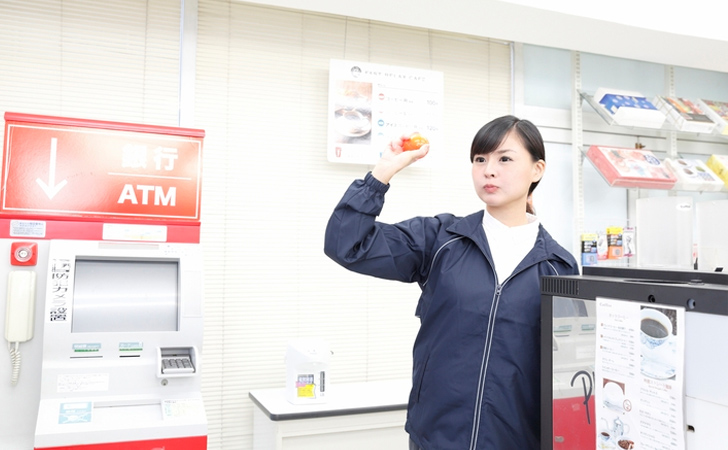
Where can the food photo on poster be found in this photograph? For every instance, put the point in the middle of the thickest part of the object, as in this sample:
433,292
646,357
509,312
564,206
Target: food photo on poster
353,112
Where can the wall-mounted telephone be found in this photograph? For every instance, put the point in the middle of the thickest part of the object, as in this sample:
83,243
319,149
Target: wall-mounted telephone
19,314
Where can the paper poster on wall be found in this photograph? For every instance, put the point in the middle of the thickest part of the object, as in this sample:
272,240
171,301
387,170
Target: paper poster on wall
639,376
371,104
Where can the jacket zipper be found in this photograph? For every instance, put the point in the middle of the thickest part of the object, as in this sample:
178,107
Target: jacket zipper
486,351
484,362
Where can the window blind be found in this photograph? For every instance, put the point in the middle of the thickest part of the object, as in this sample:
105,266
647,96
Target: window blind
114,60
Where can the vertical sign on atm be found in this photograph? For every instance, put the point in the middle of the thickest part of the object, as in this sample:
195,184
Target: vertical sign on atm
94,169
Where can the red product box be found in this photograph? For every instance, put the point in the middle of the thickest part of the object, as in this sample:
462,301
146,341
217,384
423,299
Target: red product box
631,168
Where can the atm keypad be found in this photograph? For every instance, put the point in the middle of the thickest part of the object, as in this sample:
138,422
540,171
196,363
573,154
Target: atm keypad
177,365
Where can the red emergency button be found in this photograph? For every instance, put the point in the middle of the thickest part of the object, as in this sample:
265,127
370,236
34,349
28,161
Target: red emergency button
23,253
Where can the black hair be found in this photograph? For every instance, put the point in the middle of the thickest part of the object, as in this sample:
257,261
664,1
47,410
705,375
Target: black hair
492,134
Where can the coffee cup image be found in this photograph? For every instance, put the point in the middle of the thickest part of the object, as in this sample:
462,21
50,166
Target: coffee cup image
605,435
606,440
655,328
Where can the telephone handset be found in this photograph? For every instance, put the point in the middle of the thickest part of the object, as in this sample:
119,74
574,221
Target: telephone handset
19,314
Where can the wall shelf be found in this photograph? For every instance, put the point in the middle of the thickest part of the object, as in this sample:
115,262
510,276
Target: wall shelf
666,127
712,143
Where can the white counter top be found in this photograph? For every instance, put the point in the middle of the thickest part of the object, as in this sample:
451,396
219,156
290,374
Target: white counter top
342,399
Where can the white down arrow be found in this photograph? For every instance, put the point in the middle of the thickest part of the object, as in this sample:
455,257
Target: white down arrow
51,189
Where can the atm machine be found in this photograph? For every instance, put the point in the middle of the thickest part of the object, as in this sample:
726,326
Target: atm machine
121,346
572,391
103,292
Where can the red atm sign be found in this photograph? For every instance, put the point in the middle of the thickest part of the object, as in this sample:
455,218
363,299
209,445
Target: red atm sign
81,168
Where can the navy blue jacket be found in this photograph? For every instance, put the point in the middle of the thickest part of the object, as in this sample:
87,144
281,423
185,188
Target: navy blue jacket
475,381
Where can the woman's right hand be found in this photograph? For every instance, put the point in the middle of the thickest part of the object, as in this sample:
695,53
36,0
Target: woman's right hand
394,159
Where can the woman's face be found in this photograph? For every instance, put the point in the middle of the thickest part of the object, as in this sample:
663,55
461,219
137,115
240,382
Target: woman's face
502,177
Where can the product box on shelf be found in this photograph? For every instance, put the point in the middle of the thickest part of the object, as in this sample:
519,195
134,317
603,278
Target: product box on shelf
628,242
602,248
717,111
719,165
589,249
684,114
630,108
631,168
614,243
694,175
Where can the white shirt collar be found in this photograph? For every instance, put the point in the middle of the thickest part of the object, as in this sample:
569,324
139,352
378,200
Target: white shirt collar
490,223
509,245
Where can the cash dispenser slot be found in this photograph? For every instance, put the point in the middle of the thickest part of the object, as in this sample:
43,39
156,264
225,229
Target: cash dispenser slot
177,361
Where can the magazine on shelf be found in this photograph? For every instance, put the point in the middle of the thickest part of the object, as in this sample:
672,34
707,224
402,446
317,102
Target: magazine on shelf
694,175
684,114
719,165
630,108
717,111
631,168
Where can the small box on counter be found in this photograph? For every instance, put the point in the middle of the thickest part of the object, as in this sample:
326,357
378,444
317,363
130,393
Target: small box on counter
631,168
630,108
718,113
684,114
694,175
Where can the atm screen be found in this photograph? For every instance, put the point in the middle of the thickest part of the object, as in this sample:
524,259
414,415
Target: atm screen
125,295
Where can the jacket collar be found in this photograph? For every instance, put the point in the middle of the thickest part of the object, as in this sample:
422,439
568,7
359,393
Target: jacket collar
545,248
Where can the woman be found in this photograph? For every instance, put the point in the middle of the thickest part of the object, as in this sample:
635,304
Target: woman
475,381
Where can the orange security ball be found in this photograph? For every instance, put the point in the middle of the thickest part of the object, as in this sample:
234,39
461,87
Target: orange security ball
414,142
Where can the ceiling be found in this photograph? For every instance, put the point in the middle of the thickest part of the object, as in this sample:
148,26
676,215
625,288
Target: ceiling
689,34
